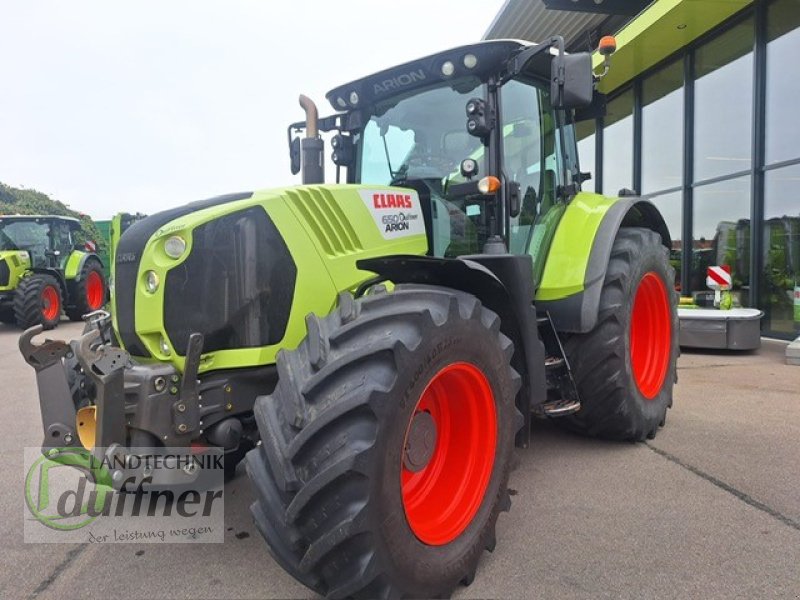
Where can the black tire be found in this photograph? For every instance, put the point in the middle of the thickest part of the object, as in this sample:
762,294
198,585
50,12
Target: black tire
232,458
30,301
80,302
612,403
327,475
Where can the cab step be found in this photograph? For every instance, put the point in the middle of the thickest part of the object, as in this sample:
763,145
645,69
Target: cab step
561,408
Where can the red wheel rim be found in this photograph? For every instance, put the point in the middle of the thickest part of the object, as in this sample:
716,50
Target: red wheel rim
94,290
442,498
651,335
51,304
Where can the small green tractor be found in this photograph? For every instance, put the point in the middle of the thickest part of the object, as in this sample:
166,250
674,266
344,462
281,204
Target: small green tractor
377,347
43,272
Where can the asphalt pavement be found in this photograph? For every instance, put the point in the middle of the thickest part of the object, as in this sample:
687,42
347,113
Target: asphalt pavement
709,509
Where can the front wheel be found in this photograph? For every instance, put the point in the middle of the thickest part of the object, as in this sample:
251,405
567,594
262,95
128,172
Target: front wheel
38,301
89,291
626,366
386,445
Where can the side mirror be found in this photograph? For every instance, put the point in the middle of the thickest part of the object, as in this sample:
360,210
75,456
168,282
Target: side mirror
571,80
294,155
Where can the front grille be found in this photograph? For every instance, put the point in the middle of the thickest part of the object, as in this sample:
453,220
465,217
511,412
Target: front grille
236,287
5,273
129,255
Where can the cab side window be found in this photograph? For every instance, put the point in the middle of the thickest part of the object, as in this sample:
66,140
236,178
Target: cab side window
531,156
62,242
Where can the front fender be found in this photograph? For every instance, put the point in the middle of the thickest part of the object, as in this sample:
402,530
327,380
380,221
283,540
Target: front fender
503,283
578,258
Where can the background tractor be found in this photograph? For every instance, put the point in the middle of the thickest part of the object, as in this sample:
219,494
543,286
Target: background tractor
380,345
43,272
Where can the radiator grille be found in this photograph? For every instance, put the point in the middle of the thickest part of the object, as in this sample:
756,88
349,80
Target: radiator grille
5,273
327,220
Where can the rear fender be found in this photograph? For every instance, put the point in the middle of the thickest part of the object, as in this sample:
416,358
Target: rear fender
77,259
578,259
503,284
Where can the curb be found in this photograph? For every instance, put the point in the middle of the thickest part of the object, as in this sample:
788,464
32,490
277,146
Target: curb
793,353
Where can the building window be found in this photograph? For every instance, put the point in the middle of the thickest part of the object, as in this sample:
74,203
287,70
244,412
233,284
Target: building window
724,103
670,207
721,233
783,84
618,144
662,130
780,277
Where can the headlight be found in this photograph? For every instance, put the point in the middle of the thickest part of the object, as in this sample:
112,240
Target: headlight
151,281
175,246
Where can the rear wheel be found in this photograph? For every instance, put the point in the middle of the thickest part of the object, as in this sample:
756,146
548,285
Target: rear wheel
89,291
626,366
37,301
386,445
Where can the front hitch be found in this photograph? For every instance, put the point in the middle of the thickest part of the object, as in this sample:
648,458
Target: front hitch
55,400
105,365
161,408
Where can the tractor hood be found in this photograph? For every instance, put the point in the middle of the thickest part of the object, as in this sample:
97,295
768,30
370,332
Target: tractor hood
245,269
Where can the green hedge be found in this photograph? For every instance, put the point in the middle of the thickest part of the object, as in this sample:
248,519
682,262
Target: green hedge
14,201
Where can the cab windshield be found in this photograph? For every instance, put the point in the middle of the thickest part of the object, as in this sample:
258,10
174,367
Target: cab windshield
21,235
420,137
423,138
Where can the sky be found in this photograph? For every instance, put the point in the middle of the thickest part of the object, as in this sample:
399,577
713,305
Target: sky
113,106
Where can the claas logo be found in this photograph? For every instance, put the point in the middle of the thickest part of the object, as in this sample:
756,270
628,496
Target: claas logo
391,200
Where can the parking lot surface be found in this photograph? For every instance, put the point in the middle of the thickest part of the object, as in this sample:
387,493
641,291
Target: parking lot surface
710,508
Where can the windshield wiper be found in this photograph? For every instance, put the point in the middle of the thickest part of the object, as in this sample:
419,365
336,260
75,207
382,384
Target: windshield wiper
400,174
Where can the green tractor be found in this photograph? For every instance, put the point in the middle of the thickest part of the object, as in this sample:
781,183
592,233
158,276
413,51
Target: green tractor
378,347
43,272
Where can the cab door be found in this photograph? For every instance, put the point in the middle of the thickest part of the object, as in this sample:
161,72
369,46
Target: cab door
533,158
61,238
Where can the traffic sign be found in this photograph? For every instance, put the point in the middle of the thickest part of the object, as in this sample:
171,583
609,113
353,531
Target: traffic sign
719,277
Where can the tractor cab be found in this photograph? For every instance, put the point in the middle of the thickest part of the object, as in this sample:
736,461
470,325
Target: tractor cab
483,133
47,240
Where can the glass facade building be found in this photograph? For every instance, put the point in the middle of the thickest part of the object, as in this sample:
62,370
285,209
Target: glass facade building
711,134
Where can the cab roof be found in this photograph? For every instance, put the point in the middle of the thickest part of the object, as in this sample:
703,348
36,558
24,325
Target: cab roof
72,221
489,59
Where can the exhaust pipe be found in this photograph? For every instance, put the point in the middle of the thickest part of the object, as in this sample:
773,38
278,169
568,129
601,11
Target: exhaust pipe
312,146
